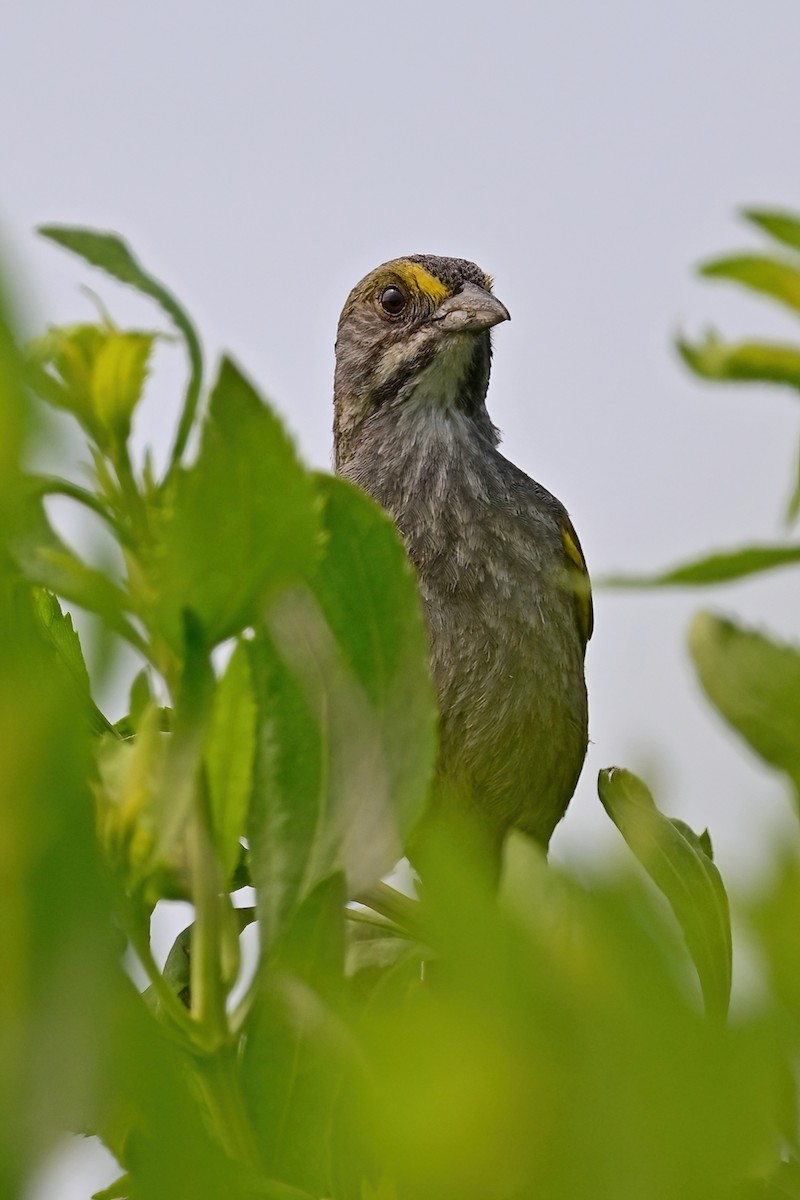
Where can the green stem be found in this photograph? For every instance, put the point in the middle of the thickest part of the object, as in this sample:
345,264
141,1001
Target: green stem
134,503
207,987
393,905
48,485
220,1081
359,917
171,1005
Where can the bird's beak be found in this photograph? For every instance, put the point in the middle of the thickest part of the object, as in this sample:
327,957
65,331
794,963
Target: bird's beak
471,309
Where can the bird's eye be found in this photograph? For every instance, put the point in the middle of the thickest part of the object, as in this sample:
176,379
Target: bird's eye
392,300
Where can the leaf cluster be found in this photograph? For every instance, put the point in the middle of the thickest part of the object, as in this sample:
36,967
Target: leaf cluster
562,1038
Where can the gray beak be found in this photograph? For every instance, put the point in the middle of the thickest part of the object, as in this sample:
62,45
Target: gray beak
470,310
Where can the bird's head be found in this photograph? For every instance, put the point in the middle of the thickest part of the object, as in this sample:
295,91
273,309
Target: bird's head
414,332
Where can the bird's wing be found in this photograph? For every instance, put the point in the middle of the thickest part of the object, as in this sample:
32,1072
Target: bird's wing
580,576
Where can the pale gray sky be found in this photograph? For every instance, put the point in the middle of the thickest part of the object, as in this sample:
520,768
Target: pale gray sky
261,157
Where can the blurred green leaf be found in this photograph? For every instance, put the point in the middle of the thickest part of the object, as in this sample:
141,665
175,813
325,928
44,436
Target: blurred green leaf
722,567
525,1077
772,914
44,559
754,682
229,756
376,947
119,373
95,373
70,352
783,226
108,252
742,362
118,1190
348,718
240,523
164,1119
684,872
141,697
60,630
793,507
56,942
298,1050
770,276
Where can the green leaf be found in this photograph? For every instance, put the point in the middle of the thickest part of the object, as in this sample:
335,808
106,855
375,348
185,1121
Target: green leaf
45,560
108,252
239,524
683,871
94,372
69,353
742,362
347,724
229,757
120,369
118,1190
141,697
793,506
297,1049
58,950
59,629
375,949
783,226
759,273
722,567
754,683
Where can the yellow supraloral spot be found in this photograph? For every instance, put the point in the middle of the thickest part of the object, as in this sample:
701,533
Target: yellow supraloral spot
422,281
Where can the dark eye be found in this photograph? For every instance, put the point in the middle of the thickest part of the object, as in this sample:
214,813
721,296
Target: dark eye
392,300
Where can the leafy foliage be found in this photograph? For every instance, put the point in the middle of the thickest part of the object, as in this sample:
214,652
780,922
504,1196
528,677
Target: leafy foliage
549,1040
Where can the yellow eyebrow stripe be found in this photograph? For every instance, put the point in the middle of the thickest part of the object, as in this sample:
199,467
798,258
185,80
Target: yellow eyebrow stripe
422,281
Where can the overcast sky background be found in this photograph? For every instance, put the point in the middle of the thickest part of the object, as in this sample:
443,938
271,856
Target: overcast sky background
261,157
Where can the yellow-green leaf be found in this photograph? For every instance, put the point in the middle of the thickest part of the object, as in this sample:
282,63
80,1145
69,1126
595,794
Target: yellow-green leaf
742,362
229,756
754,682
783,226
677,861
722,567
120,369
759,273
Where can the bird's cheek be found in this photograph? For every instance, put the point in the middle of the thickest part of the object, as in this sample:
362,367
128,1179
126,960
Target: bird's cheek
391,362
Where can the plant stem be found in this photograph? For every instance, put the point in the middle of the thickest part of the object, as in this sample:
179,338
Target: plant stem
393,905
178,1015
222,1092
207,986
51,486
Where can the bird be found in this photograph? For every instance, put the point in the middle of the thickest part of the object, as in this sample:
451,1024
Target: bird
501,572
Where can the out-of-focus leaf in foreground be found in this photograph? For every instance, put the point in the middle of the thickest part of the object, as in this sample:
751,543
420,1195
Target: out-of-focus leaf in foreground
348,718
572,1063
754,683
55,934
678,863
298,1050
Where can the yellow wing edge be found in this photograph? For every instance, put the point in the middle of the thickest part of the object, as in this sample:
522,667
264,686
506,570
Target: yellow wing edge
583,589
